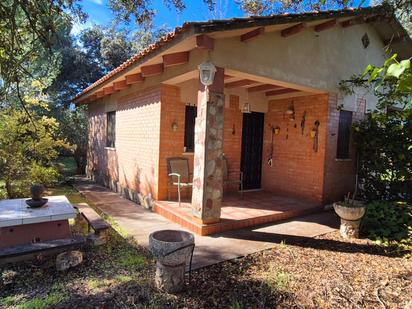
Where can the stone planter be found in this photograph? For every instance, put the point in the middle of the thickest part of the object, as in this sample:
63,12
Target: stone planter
172,250
350,218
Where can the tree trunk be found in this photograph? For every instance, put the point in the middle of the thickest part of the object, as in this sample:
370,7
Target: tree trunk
80,158
9,189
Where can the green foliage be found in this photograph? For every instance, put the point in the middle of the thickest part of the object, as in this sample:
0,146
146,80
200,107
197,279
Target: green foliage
282,279
28,147
132,260
54,297
389,223
392,82
385,160
384,138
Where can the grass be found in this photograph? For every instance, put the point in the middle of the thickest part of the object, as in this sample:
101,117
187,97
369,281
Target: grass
67,165
72,194
54,297
133,260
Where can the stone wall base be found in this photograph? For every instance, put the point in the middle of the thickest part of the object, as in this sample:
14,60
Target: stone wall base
144,200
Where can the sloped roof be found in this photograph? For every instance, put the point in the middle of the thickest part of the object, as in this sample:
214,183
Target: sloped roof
384,13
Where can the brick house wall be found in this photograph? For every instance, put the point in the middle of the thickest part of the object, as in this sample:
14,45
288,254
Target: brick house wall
133,163
172,142
297,169
145,139
232,139
339,173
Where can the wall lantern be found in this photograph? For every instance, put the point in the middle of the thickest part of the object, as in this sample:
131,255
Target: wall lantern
174,126
291,112
207,72
246,108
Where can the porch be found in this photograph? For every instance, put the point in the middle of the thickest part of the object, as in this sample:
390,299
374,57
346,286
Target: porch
256,208
261,132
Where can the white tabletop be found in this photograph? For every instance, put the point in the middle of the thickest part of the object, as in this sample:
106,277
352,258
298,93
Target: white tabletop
16,212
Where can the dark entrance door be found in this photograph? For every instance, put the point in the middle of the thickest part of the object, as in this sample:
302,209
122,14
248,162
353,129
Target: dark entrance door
252,142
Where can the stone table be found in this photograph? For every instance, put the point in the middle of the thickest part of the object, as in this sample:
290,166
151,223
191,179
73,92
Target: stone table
21,225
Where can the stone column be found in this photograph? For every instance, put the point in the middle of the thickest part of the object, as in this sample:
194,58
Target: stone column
207,171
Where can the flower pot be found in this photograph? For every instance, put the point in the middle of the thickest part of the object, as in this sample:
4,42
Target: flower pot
350,218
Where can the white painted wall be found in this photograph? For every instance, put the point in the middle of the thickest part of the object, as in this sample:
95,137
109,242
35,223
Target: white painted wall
318,60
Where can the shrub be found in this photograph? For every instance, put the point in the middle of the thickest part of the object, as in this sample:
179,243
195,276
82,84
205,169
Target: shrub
385,160
29,146
390,224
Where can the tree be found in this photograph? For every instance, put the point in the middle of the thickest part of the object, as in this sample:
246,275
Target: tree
29,145
264,7
384,138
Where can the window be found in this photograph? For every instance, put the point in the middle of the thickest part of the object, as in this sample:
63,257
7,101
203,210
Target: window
345,123
190,116
111,129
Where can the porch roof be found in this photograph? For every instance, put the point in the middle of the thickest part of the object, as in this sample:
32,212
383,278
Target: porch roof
378,16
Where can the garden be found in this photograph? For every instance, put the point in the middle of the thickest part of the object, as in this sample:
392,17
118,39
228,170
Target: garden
43,140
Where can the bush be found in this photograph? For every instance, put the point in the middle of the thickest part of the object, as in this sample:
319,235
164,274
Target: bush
390,224
29,146
385,160
47,176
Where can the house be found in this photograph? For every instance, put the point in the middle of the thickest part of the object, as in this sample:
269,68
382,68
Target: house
274,110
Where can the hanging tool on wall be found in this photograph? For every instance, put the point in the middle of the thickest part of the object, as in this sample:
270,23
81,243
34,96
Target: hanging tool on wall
272,133
302,122
315,139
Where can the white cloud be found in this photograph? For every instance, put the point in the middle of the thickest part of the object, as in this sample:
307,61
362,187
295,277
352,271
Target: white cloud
99,2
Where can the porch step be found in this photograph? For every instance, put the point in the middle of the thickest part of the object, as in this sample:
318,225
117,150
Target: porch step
186,220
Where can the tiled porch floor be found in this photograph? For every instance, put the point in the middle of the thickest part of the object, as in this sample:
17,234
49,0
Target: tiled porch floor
255,208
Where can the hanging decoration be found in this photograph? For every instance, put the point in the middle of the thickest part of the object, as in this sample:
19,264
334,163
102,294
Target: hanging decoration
273,131
316,136
302,123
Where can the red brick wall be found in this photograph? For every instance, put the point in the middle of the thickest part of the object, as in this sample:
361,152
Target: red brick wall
232,139
297,169
339,174
172,143
134,161
144,139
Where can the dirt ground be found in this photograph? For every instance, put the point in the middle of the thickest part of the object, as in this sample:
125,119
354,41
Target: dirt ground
324,272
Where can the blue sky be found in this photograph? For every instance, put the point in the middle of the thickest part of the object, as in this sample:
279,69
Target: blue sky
99,12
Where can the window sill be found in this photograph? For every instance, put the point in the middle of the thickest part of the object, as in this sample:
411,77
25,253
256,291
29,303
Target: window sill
343,160
110,148
186,153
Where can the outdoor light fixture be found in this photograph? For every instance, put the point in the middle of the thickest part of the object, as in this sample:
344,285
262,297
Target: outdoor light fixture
246,108
246,105
174,126
207,73
291,112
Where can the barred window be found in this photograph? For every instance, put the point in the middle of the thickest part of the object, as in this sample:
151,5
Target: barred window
190,117
345,123
111,129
